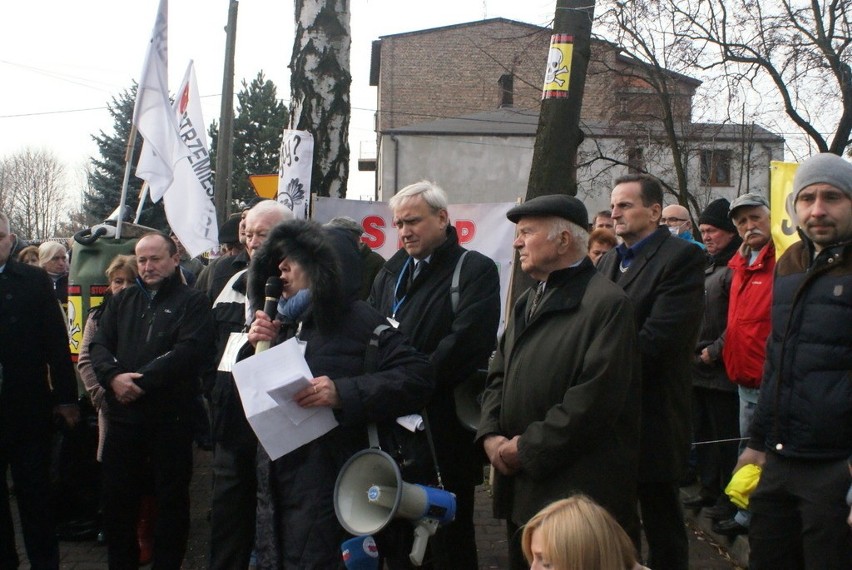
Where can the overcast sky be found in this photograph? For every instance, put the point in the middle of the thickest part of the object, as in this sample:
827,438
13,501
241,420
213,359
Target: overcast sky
61,62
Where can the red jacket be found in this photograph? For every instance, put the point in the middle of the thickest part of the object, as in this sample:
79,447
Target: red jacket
748,317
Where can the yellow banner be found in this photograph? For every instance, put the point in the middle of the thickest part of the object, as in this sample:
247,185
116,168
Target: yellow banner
781,203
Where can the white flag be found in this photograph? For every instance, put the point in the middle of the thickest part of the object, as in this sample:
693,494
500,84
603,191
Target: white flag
189,198
153,114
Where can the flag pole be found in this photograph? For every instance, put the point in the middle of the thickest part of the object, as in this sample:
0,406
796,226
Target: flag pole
128,157
142,197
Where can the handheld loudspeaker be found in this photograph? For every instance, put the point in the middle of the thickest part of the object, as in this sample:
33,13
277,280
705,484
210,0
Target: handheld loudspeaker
468,399
369,493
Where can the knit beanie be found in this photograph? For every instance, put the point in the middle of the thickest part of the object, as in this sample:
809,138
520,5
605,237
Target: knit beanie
716,215
823,168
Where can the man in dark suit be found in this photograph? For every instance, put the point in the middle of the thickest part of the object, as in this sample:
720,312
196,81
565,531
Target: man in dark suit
33,338
413,290
664,276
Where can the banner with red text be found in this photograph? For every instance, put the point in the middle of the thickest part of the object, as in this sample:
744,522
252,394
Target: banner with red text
481,227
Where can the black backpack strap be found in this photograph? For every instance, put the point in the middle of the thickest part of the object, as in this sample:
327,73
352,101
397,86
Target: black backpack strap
454,286
371,357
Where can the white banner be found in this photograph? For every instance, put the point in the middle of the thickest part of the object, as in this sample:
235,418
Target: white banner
153,115
294,172
189,199
480,227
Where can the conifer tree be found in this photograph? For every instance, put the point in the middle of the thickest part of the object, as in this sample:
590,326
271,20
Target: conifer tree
107,173
258,127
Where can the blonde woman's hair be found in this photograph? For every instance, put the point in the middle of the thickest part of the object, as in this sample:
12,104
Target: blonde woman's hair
48,250
579,534
28,251
122,263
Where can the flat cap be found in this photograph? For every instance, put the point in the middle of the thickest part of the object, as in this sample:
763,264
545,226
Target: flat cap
559,205
750,199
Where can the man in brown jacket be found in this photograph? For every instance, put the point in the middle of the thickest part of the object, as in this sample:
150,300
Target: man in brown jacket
561,411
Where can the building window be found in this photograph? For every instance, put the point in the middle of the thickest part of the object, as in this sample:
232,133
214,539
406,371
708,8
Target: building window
716,167
635,160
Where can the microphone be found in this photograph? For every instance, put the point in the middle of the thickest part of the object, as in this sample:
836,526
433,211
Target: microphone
360,553
272,292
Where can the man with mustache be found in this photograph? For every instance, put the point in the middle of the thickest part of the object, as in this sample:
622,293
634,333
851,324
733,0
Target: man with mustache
748,320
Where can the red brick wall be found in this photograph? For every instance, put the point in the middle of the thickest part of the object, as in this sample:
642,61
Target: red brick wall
453,71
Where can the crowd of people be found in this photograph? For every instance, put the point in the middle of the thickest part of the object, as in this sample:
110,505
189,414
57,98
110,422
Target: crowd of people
641,360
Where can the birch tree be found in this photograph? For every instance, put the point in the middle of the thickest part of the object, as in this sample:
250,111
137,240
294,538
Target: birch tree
319,89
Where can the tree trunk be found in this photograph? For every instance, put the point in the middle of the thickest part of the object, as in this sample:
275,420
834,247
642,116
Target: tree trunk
319,87
554,162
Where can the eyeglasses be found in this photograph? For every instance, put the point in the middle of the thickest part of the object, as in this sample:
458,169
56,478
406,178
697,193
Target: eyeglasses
672,220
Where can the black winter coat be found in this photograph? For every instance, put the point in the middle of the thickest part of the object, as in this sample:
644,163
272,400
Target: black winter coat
229,426
665,281
717,289
33,339
805,405
457,343
297,526
168,339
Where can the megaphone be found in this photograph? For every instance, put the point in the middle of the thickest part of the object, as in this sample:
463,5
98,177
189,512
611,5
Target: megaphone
369,493
468,399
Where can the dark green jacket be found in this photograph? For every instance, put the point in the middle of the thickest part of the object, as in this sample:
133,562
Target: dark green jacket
568,383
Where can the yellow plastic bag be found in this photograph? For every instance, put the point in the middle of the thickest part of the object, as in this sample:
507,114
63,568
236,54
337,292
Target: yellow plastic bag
742,484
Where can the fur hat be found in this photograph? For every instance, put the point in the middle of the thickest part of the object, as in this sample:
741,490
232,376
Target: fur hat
823,168
716,215
314,249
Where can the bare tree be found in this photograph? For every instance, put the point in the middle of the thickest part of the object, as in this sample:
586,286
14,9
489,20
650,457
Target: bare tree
798,48
659,107
659,95
32,186
319,86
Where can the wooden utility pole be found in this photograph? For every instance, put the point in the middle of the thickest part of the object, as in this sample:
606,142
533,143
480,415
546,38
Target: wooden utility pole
225,142
554,163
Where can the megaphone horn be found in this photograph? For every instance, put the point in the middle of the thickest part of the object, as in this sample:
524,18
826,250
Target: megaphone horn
369,493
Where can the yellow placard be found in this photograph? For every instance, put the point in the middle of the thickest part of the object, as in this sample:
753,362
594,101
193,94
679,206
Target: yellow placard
781,204
74,314
558,71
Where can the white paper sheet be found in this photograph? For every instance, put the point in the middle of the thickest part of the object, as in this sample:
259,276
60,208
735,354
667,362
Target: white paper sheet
267,383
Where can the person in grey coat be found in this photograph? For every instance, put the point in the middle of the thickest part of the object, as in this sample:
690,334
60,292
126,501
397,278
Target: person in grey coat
715,405
560,413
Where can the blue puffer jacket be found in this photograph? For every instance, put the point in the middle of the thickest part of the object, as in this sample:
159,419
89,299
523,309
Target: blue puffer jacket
805,408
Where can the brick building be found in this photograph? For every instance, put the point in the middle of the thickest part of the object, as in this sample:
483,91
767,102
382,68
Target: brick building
459,105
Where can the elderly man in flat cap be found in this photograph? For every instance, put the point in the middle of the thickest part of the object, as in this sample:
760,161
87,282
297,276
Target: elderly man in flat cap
802,428
561,411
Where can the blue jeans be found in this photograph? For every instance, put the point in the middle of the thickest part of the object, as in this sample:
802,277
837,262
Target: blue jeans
748,404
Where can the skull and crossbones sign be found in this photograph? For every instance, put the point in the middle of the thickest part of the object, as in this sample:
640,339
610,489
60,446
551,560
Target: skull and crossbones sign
73,327
555,67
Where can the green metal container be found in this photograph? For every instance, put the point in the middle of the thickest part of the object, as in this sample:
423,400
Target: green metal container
92,252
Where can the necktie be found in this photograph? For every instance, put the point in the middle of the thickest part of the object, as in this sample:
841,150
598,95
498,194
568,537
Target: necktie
539,293
415,270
